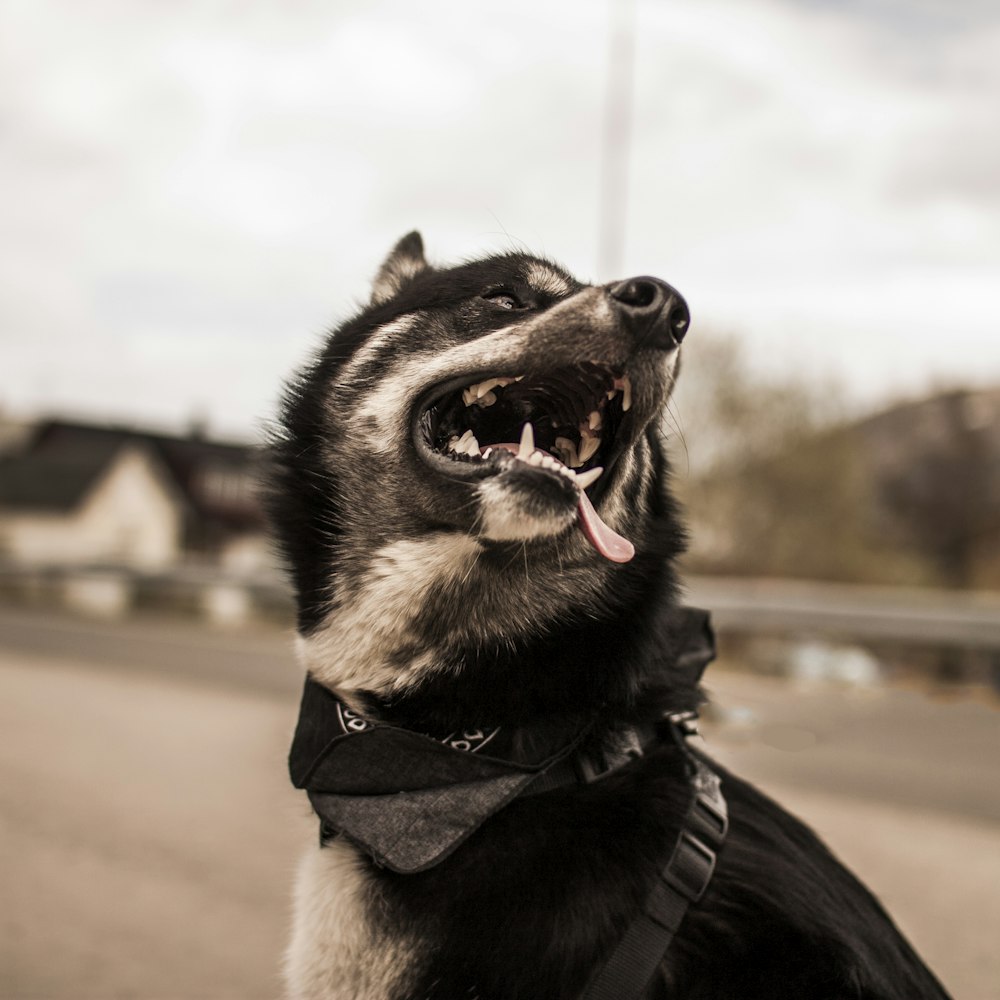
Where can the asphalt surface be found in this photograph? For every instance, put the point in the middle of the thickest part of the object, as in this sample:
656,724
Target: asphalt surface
259,660
148,832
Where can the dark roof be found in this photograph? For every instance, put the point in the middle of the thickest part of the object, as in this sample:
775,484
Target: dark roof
63,458
50,482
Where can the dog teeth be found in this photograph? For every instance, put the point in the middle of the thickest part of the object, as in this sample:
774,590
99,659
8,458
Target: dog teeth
527,445
465,445
588,447
540,460
568,451
567,455
481,393
556,466
584,479
623,385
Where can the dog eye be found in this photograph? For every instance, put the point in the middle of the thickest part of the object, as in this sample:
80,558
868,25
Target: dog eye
503,300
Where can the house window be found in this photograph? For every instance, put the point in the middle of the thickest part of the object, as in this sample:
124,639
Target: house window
227,486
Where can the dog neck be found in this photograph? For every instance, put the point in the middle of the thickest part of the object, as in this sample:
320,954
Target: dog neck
611,667
357,769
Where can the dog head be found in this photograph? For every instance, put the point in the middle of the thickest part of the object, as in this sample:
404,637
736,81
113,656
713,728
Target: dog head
472,466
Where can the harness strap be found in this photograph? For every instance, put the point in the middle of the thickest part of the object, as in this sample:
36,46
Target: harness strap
627,973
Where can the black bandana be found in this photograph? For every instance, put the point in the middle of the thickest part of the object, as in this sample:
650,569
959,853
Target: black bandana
410,799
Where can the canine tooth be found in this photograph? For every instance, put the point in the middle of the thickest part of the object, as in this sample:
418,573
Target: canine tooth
484,387
594,420
527,445
627,395
584,479
588,446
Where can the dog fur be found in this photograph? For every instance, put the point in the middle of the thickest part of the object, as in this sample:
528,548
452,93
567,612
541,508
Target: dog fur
437,589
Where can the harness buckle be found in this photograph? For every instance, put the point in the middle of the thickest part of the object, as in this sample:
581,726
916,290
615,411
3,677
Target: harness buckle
708,812
685,722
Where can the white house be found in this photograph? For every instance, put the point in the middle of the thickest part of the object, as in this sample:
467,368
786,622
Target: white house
75,494
118,508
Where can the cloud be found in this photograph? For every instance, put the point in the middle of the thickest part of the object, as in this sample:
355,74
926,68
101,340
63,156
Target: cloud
196,191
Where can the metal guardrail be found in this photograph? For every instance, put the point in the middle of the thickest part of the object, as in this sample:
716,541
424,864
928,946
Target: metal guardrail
908,616
962,620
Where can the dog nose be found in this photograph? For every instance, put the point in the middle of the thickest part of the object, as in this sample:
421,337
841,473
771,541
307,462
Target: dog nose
655,312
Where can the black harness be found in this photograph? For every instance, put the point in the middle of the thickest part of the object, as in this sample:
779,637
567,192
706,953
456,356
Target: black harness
410,799
683,881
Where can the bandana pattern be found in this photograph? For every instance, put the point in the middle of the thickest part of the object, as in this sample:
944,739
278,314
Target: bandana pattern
468,740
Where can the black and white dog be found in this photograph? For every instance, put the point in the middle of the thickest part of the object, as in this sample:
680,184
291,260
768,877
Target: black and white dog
470,487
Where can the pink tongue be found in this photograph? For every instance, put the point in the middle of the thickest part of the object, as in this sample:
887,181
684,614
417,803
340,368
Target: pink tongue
609,543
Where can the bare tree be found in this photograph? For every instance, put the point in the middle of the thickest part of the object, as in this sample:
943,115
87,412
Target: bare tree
774,480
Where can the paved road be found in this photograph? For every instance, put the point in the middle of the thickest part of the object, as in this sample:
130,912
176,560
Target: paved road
251,660
148,832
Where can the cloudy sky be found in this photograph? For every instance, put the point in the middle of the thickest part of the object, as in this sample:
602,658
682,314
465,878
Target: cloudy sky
192,191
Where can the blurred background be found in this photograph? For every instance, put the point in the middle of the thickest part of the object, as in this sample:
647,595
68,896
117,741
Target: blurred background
193,192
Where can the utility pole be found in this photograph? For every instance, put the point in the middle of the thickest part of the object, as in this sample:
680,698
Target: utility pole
617,138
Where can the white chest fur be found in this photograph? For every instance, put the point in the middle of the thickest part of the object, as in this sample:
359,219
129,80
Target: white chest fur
355,646
336,952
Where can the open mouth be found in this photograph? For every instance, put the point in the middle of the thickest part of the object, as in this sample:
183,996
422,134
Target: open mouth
564,423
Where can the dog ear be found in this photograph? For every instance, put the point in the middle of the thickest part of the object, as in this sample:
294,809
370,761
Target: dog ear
405,262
